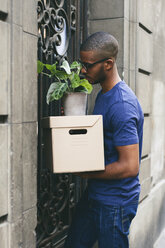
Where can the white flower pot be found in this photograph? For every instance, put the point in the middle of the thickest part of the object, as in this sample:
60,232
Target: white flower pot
75,103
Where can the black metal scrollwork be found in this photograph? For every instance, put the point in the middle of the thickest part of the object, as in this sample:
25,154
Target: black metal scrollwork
73,17
55,193
58,37
56,200
53,26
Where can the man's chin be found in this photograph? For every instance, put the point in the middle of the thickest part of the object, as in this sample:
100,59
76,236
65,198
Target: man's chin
94,82
91,81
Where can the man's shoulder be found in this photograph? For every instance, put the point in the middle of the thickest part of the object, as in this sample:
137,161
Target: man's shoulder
121,92
125,93
124,97
124,103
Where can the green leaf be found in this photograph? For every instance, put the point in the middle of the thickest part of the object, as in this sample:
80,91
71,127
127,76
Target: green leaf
50,91
66,67
81,89
77,66
51,68
56,91
59,91
86,85
61,75
75,80
40,66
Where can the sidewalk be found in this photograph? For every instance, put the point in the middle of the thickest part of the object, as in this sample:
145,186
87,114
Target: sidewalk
160,243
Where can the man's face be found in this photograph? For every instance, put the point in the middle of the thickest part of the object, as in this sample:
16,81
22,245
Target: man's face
94,73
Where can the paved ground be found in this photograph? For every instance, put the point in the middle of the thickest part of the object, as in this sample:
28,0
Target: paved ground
160,243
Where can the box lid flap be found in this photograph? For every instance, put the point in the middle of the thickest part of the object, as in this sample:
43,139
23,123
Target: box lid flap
70,121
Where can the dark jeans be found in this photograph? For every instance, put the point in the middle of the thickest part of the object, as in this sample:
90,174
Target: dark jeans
109,225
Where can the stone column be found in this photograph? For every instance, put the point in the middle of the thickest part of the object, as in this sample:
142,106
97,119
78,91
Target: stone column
18,123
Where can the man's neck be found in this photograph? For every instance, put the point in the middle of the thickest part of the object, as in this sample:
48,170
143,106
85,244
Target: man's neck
111,80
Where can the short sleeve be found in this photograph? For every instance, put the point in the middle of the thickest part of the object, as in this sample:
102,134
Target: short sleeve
123,122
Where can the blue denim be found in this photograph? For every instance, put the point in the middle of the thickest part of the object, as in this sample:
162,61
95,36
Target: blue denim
109,225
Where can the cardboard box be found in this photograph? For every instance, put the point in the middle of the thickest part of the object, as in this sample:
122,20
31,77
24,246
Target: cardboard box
73,143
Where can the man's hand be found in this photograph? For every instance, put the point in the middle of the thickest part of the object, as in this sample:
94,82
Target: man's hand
126,166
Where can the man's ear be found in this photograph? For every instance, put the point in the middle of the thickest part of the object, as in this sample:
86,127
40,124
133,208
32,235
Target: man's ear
109,64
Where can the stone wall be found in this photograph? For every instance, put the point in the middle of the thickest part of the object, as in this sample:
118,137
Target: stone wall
138,25
150,219
18,123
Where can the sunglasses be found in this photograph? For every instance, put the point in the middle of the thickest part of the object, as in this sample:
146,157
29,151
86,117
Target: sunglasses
86,66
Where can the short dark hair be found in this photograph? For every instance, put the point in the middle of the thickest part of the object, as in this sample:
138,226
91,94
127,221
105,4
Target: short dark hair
103,43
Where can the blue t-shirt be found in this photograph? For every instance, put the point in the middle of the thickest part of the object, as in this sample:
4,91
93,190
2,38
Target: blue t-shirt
123,125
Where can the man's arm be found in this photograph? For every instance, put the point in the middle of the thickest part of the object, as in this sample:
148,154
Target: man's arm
126,166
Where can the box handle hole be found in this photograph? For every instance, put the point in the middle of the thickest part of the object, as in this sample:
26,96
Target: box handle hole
77,131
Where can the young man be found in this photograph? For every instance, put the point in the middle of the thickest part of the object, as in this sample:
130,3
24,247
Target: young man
105,212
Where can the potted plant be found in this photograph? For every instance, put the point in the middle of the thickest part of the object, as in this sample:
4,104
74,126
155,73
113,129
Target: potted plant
67,85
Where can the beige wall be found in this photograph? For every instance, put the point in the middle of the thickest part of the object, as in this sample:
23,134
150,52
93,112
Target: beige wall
150,219
18,123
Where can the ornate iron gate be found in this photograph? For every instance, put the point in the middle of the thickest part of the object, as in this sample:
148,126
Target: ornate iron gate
61,27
